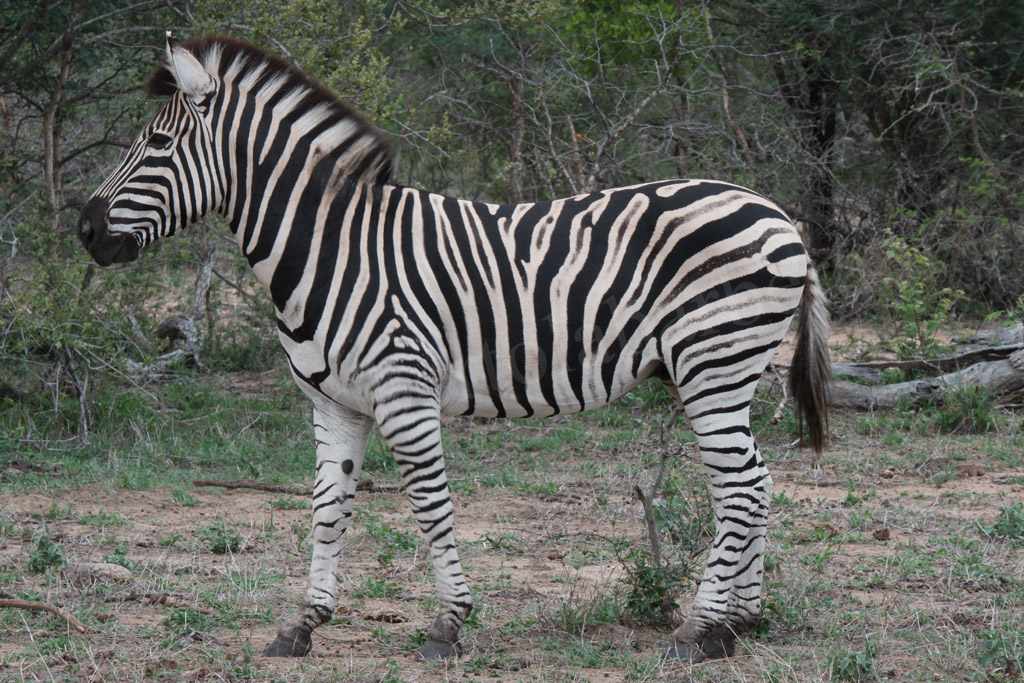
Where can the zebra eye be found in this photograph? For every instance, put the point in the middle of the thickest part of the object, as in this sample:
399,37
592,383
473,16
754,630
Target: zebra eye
159,141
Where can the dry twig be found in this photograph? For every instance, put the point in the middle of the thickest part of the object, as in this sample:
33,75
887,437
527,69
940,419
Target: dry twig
43,607
252,484
364,485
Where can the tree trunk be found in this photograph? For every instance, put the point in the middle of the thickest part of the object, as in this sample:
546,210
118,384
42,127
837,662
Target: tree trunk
52,149
823,95
515,171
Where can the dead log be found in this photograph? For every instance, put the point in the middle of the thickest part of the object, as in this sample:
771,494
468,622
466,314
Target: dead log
1003,376
1005,335
871,370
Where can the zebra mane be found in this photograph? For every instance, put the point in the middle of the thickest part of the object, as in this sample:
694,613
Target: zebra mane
234,60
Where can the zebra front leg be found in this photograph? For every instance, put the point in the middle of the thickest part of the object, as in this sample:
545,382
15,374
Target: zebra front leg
728,601
340,446
413,431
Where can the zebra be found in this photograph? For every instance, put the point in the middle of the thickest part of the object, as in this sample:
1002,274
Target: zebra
396,306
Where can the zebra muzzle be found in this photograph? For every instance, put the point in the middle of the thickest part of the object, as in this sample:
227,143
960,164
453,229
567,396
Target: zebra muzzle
104,246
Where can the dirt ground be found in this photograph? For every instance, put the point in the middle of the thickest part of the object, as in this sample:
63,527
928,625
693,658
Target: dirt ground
881,543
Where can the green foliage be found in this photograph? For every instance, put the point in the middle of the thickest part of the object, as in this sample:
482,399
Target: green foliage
913,293
219,538
46,554
856,665
104,518
1001,652
376,588
1009,523
121,557
289,503
503,542
393,541
184,621
339,43
966,410
778,613
168,541
184,497
651,589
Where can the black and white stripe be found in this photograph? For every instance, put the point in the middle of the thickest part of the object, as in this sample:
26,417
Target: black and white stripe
396,306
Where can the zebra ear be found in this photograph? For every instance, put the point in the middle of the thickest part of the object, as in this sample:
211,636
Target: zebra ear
192,78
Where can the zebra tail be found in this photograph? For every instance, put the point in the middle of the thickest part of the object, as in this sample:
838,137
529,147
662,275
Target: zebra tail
811,372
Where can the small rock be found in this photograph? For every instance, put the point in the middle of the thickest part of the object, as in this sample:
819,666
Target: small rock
81,574
971,470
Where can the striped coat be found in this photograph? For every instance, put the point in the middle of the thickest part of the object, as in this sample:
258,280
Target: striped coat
396,306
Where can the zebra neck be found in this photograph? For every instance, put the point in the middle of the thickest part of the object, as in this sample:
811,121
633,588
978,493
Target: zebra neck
288,185
296,240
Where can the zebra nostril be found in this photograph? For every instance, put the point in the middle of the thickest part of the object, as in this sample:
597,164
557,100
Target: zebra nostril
85,231
91,221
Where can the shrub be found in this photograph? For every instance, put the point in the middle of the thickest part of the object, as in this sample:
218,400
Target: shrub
46,554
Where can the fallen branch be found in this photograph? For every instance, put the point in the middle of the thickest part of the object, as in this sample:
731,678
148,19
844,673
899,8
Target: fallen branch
43,607
364,485
252,484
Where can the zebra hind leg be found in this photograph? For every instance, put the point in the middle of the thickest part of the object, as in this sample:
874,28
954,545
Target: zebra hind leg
340,446
728,600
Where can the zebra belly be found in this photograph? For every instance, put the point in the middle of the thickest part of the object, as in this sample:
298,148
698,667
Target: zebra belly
542,383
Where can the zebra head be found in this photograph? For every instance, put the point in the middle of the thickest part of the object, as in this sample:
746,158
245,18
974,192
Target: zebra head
165,181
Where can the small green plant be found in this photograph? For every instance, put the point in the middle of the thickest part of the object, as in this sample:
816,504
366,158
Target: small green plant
46,554
103,518
120,556
376,588
502,542
777,613
651,589
966,410
914,294
289,504
55,647
57,512
169,541
185,620
244,666
184,498
855,666
219,538
393,541
1002,653
1009,523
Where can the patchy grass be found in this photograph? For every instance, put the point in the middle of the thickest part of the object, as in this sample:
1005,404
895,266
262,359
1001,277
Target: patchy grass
898,559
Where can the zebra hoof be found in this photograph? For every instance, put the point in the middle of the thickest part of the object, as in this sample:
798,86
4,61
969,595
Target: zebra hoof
718,644
298,645
436,649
